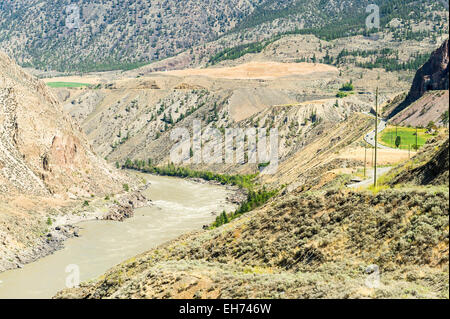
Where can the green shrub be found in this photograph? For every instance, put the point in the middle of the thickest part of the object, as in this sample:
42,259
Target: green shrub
243,181
254,200
341,94
263,165
347,87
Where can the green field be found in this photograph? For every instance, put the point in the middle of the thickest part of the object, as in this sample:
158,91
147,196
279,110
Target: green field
407,135
66,84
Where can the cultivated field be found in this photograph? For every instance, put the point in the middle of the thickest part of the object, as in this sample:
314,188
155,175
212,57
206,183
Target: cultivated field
407,137
66,84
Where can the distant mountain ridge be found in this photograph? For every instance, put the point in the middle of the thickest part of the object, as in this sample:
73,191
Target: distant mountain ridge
112,34
124,34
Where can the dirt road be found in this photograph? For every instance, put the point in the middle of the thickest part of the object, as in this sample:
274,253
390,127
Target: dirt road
368,182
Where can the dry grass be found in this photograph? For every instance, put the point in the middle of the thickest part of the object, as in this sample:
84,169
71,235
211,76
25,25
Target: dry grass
303,245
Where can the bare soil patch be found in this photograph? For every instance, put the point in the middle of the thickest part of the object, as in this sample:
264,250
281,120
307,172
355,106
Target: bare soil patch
257,70
385,156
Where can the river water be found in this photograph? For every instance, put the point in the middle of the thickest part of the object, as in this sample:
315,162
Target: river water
180,206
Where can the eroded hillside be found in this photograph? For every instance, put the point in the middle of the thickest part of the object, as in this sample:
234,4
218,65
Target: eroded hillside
47,170
134,117
43,152
427,100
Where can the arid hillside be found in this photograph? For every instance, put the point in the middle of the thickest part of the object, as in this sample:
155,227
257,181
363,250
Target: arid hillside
323,243
428,108
429,167
133,117
255,70
49,174
42,151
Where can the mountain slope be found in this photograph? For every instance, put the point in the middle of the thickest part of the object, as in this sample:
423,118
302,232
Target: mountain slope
49,176
41,151
434,172
113,33
430,166
433,75
124,34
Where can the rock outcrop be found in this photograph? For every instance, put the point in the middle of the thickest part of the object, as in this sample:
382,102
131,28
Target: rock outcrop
125,207
429,108
47,169
42,151
433,75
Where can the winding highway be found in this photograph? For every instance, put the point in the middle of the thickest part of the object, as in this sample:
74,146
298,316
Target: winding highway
370,137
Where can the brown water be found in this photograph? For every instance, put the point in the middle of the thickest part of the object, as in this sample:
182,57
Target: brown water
180,206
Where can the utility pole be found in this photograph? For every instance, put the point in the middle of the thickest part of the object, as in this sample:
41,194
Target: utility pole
365,158
409,151
376,140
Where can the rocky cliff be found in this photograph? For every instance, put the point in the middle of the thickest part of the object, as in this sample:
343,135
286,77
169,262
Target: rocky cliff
41,151
432,76
49,176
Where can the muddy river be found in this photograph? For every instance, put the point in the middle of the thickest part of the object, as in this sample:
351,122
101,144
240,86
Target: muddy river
179,206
